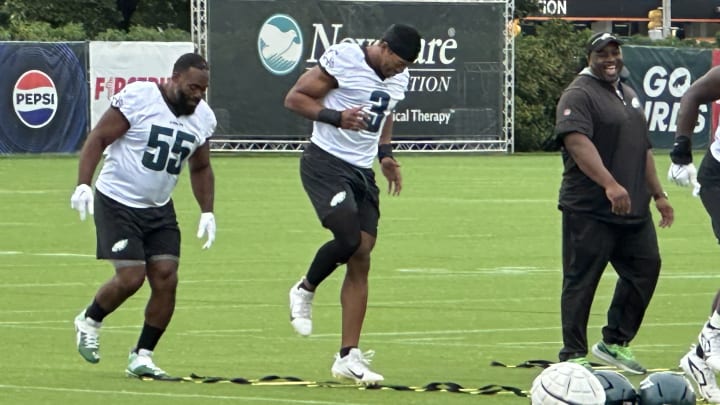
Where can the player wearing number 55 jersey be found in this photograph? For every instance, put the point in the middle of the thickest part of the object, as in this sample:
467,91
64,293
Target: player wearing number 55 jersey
350,95
148,135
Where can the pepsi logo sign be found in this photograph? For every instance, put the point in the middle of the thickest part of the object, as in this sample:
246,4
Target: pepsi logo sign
35,99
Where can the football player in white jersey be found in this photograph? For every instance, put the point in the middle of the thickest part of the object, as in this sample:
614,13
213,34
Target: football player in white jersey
147,135
702,361
350,95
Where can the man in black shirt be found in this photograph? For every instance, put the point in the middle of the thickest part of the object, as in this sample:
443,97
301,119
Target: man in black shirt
608,180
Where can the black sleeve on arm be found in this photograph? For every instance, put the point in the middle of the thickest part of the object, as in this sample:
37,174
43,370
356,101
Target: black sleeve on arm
573,114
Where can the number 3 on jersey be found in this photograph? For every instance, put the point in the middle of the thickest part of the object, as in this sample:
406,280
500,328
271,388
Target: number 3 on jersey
380,101
171,141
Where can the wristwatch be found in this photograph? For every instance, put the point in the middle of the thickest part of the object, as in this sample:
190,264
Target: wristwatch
662,194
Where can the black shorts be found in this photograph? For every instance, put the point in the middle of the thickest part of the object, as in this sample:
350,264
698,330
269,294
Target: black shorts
332,183
126,233
710,196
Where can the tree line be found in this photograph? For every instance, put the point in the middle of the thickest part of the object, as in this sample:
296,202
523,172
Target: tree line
103,20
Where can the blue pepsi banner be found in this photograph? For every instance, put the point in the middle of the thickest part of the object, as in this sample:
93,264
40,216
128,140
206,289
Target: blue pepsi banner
43,97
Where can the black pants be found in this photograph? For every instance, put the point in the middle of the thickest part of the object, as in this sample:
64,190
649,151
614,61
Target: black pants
588,245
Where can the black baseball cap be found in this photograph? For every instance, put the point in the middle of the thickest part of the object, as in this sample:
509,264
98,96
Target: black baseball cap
600,40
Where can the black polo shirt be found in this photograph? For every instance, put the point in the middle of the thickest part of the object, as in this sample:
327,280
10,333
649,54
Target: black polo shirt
617,128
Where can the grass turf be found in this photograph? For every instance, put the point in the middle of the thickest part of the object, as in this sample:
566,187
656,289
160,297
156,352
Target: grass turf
466,271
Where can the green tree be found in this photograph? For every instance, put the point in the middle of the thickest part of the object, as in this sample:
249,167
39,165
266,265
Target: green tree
524,8
95,16
138,33
163,14
545,64
42,31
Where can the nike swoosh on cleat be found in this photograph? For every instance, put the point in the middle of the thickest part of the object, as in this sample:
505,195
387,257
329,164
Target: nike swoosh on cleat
358,376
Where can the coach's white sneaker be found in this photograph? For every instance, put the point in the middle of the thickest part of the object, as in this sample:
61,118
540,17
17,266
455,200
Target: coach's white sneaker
301,309
709,339
354,366
698,371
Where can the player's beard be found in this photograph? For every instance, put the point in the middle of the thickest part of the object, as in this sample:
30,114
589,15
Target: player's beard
183,104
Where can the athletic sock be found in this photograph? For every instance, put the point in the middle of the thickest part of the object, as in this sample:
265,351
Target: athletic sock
304,285
149,338
344,351
96,312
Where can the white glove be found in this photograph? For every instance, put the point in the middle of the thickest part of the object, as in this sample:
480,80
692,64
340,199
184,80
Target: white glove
683,175
696,188
207,224
82,200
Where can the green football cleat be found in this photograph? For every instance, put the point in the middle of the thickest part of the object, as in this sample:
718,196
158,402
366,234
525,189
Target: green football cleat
87,338
141,365
618,356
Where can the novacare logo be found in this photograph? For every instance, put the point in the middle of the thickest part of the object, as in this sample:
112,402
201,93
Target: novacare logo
433,51
433,70
280,44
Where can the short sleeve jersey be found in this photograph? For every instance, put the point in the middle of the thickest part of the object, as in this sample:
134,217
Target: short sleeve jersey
141,167
615,123
358,85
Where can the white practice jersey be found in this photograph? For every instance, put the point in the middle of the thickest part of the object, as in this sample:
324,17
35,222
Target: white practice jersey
141,168
358,85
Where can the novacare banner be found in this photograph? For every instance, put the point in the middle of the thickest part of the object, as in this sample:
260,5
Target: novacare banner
258,49
113,65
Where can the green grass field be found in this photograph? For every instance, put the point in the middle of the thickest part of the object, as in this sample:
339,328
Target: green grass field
466,271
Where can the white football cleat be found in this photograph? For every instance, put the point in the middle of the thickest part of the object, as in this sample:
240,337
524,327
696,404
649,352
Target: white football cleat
141,365
709,339
354,366
301,309
702,375
87,334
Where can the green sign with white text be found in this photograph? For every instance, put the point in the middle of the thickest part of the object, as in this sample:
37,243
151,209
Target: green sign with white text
661,75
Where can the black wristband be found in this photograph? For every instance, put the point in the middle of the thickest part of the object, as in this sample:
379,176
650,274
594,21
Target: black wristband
329,116
385,150
681,153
